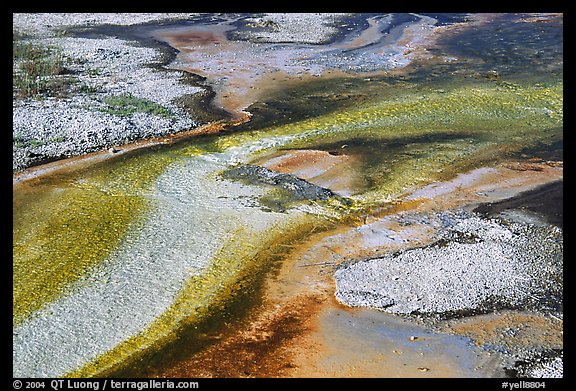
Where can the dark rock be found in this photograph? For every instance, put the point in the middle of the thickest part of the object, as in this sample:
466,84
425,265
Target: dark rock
298,188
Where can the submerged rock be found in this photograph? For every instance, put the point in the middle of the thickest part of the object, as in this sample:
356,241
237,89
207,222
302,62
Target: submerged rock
297,189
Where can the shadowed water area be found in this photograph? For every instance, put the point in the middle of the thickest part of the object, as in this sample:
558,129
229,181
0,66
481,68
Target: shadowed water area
126,267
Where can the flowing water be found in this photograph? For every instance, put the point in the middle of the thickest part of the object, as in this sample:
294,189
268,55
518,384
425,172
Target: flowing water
124,257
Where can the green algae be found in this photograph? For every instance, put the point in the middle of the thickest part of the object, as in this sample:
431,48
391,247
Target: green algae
406,134
80,231
404,140
65,226
223,292
473,107
428,133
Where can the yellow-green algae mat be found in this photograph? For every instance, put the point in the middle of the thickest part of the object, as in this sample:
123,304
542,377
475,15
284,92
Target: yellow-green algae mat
83,244
63,226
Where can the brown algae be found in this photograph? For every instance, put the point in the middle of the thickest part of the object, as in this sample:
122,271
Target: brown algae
478,110
401,133
207,288
402,142
224,292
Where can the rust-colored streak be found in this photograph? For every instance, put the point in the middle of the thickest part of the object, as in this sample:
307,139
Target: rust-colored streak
530,330
210,128
260,349
196,37
79,162
188,38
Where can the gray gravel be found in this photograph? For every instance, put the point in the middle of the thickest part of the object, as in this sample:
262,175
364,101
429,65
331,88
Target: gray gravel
76,124
548,368
53,128
478,264
45,25
312,28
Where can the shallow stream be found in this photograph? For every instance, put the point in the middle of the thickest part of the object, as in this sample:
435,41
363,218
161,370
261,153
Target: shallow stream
116,261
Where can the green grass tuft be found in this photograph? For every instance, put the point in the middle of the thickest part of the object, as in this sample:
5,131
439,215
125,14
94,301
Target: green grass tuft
127,104
38,69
